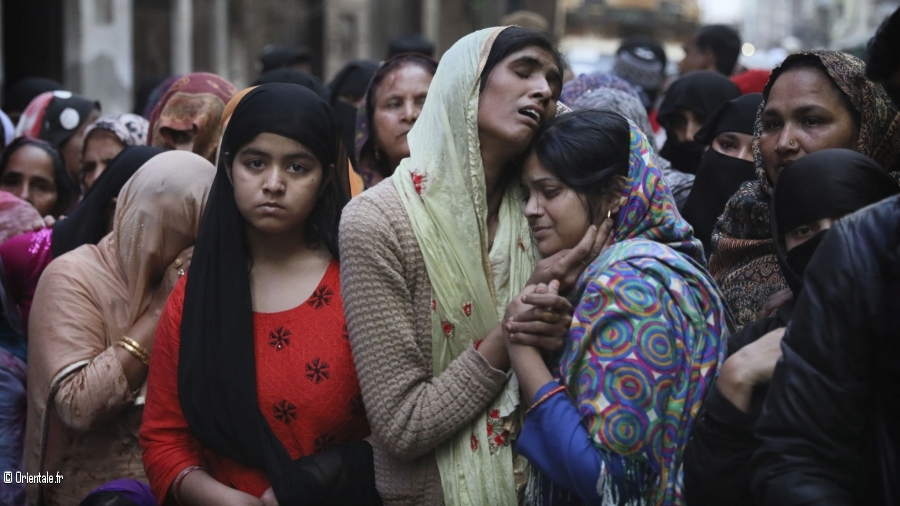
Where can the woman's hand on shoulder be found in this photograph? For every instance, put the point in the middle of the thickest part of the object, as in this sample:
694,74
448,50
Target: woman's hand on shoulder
538,317
566,265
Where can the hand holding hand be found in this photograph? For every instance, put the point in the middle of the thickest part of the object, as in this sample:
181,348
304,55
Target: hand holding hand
538,317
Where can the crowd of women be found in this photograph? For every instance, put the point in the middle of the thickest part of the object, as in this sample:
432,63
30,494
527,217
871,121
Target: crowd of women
471,282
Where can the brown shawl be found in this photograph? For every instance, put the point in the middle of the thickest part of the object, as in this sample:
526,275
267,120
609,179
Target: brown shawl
194,102
743,257
83,420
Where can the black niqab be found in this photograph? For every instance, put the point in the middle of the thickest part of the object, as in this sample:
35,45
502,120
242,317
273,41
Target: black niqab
826,184
88,223
216,364
352,80
718,175
702,92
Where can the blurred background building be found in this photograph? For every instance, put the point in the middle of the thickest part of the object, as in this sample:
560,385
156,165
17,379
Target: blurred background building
108,48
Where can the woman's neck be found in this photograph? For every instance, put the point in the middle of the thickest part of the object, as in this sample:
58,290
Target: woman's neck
276,250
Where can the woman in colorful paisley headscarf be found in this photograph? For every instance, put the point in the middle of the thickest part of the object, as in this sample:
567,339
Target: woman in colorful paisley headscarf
432,256
610,416
815,100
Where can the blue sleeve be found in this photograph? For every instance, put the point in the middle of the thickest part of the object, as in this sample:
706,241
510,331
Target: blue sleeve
554,440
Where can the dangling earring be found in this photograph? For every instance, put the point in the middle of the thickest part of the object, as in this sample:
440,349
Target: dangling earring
608,213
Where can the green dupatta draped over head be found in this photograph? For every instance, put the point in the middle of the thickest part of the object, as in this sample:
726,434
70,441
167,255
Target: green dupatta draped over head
442,186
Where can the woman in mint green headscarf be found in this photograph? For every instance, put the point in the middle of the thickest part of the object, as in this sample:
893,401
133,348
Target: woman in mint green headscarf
432,257
611,414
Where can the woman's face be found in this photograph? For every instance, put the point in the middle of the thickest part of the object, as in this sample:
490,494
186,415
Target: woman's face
398,102
735,145
276,183
71,149
557,214
804,233
804,114
520,94
29,176
686,123
100,148
180,140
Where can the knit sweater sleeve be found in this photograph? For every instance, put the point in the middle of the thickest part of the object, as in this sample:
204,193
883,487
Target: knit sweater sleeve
410,411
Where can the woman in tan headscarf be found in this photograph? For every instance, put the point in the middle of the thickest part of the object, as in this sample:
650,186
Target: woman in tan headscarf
93,320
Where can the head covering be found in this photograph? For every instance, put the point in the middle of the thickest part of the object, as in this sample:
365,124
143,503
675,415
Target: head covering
442,188
410,43
193,102
55,116
274,57
216,364
9,130
135,492
752,81
103,290
352,80
743,260
642,62
16,216
656,373
156,95
702,92
737,115
847,180
605,92
129,128
719,175
371,169
289,75
21,93
87,224
584,84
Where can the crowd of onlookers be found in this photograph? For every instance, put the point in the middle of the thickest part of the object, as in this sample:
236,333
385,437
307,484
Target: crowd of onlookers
473,281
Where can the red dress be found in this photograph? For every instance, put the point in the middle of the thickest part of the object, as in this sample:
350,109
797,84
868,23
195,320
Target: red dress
306,384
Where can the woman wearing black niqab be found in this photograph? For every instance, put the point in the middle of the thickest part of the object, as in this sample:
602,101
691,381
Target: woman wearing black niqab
717,466
689,102
720,174
245,357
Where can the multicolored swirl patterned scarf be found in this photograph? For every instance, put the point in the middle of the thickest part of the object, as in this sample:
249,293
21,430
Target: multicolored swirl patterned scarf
647,338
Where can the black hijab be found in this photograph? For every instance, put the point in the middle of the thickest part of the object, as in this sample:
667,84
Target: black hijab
87,224
216,364
289,75
21,93
702,92
352,80
826,184
718,175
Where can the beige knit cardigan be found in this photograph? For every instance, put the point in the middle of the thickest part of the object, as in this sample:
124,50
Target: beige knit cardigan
387,301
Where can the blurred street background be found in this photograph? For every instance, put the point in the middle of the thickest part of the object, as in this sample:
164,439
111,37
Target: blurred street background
115,48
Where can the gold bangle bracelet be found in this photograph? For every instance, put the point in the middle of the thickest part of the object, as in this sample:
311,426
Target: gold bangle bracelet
551,393
135,352
136,345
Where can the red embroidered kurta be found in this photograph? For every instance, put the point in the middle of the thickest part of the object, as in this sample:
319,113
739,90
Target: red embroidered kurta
306,384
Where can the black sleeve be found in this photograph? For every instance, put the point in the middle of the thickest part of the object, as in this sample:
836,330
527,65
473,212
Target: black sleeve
717,456
812,430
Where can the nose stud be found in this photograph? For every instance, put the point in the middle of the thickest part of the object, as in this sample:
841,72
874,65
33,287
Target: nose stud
791,143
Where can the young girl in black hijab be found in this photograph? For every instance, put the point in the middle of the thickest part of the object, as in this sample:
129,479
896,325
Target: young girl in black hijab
252,390
717,459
